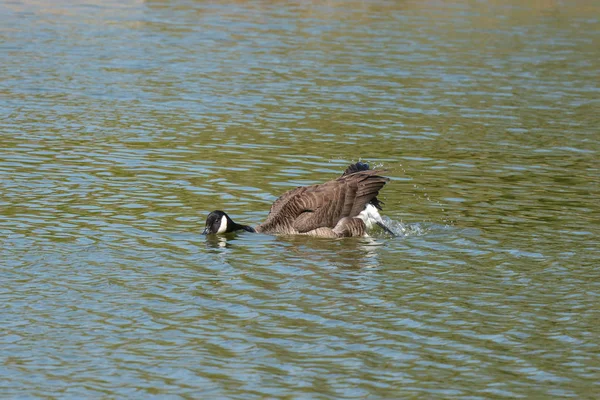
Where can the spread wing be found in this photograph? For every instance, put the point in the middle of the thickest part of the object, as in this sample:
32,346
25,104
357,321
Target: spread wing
281,203
312,207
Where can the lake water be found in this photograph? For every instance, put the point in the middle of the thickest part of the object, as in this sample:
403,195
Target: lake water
124,123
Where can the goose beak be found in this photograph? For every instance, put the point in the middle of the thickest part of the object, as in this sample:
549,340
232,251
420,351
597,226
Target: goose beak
205,231
386,229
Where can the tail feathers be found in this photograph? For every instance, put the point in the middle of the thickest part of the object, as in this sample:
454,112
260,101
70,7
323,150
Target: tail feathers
377,203
359,166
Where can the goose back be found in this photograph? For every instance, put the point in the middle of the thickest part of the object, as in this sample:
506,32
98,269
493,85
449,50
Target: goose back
308,208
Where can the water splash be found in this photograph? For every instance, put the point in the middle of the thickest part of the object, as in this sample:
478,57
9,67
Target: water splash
400,228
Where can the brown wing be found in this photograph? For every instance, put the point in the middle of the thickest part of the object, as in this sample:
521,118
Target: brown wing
282,213
317,206
280,203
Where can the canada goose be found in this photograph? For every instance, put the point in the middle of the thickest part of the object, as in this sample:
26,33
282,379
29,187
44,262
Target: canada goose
346,206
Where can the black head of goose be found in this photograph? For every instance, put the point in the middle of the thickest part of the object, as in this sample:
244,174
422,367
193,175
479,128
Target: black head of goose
346,206
219,222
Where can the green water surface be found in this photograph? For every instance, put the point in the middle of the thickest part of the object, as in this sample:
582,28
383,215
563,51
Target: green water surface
123,123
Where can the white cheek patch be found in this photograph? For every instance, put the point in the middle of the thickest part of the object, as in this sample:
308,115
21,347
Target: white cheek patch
223,226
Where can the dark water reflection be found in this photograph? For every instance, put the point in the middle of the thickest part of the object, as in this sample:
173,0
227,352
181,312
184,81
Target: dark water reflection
124,124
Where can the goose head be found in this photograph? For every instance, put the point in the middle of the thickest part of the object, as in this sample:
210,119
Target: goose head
219,222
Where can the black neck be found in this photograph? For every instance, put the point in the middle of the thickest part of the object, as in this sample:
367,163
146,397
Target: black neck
238,227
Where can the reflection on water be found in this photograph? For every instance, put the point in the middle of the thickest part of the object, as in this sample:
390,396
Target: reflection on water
342,253
124,123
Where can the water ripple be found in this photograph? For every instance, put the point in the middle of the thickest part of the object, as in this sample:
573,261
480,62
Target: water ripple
124,123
